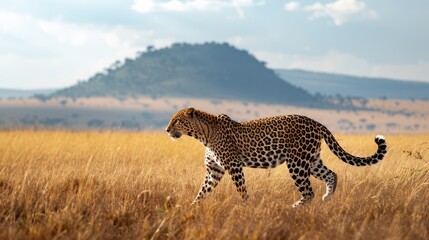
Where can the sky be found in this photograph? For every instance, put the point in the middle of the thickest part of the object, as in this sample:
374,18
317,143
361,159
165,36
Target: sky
55,43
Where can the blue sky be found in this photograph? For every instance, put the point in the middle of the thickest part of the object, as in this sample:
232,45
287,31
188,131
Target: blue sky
55,43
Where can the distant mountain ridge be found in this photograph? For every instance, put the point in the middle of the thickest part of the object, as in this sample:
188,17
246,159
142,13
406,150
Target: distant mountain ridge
209,70
355,86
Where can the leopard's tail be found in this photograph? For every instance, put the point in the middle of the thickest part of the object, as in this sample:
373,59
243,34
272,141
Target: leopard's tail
350,159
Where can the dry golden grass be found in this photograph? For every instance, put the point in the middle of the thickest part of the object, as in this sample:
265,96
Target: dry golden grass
115,185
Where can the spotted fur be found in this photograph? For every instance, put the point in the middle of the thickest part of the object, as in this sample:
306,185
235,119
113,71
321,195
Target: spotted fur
265,143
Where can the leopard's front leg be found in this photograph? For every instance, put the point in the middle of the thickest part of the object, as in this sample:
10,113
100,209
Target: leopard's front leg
234,167
214,174
236,172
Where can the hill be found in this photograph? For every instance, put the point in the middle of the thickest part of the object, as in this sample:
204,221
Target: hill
209,70
346,85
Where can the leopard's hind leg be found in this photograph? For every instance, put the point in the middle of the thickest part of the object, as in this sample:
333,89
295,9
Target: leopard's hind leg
321,172
300,173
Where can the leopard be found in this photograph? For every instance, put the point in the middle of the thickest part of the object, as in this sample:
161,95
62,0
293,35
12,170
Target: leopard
293,140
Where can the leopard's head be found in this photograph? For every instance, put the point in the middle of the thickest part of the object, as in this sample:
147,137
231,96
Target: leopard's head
182,122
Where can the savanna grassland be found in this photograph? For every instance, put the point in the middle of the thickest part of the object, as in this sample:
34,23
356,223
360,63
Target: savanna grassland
145,113
122,185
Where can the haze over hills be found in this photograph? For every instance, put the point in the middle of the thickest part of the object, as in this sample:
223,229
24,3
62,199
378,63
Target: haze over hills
16,93
209,70
355,86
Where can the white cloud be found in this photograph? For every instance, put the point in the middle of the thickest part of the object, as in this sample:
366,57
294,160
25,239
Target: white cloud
10,20
145,6
163,42
175,5
55,53
236,40
291,6
112,40
64,33
346,63
341,11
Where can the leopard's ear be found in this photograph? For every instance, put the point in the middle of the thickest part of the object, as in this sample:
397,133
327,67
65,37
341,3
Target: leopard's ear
190,112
